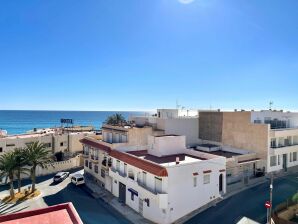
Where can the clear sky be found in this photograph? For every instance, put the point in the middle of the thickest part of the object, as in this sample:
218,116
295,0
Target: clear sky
145,54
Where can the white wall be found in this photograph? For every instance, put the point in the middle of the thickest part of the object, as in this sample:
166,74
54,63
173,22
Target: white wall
189,127
166,145
183,196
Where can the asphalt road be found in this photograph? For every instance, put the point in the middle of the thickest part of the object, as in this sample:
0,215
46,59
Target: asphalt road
249,203
91,211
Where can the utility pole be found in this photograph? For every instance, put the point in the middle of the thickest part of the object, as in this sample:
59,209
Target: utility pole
271,190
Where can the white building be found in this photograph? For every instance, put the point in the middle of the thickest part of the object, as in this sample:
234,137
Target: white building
282,140
173,121
163,183
56,140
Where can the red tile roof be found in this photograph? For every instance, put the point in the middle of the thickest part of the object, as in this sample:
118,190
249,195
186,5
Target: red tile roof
58,214
140,163
96,145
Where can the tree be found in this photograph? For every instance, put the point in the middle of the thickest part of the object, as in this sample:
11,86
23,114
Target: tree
37,156
7,169
21,162
115,119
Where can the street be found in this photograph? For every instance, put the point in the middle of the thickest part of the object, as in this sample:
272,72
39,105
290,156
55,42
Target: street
248,203
91,211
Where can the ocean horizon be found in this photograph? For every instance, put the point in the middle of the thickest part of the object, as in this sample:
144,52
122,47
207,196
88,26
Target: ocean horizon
21,121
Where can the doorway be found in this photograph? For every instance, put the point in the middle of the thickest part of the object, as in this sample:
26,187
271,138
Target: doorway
220,186
122,193
284,162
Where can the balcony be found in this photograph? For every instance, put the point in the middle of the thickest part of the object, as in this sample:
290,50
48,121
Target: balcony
283,149
275,133
122,174
145,191
94,159
85,155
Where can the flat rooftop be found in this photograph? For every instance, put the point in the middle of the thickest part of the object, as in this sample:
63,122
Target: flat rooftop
169,160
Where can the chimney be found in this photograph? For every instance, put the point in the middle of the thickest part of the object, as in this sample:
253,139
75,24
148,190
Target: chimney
177,160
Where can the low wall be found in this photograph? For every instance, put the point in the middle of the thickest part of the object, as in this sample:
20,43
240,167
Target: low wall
54,168
60,166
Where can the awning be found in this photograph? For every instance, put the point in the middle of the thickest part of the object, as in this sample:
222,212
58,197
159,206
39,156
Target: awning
249,161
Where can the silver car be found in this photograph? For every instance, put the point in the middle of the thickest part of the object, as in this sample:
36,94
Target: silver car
59,177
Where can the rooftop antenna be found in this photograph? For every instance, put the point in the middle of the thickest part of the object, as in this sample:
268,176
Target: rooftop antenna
177,104
270,105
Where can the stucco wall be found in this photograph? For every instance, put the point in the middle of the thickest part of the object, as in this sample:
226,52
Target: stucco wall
210,126
239,132
184,126
184,197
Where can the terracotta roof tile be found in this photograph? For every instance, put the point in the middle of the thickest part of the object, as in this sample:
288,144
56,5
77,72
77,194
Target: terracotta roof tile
96,145
140,163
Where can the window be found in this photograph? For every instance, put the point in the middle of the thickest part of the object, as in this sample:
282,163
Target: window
158,185
118,165
86,163
195,181
125,169
144,178
10,145
272,160
96,168
294,156
273,143
206,179
61,144
132,196
48,145
1,149
90,165
102,173
147,201
131,174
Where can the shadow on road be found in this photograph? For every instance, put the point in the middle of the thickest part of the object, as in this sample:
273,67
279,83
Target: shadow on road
91,211
6,208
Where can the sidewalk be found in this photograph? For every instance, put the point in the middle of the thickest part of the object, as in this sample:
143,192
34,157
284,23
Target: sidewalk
100,193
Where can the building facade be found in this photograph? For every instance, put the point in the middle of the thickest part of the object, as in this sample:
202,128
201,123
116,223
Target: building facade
272,135
163,183
55,140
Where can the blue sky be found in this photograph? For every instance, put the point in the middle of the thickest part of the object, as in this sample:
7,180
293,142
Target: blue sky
145,54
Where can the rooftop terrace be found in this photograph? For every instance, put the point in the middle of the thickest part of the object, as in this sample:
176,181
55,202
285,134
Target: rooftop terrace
169,160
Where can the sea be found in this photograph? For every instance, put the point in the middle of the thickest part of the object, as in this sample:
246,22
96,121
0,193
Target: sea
21,121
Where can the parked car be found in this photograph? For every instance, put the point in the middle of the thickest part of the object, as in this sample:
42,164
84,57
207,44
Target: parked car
78,179
59,177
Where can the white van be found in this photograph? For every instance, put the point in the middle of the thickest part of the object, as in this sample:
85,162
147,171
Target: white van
78,179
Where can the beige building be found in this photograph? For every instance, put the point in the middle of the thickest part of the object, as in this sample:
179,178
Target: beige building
57,140
272,135
128,136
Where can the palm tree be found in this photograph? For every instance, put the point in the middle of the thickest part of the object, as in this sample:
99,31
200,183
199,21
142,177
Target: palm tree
37,156
7,169
115,119
21,162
